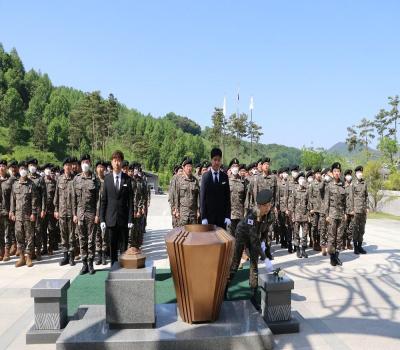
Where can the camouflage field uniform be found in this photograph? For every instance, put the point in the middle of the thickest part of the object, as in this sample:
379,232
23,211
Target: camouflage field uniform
187,199
49,223
318,219
282,203
248,233
262,182
335,209
101,236
24,203
349,224
359,205
63,201
8,225
41,191
300,209
86,207
171,199
4,220
238,196
139,202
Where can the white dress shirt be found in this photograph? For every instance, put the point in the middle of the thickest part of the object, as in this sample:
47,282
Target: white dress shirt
119,178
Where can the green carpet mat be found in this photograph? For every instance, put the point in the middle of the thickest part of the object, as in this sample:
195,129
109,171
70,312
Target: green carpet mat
89,289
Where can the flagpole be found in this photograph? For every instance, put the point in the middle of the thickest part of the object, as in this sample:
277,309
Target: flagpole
251,129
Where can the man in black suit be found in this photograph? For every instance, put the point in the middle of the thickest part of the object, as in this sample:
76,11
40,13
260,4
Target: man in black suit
215,201
116,210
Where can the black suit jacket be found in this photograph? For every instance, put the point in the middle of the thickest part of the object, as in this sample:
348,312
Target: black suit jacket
116,208
215,199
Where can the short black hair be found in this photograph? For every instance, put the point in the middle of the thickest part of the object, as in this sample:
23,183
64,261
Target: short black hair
117,154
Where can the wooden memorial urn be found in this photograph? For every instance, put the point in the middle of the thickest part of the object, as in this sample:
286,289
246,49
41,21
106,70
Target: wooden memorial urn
200,257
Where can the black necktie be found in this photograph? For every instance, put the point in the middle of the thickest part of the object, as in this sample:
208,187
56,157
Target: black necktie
117,184
216,177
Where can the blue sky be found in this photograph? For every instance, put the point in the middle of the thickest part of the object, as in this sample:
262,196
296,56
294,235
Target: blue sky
313,67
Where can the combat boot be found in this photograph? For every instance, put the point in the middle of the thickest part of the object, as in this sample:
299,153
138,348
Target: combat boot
104,258
77,253
29,262
356,251
6,256
64,261
268,252
50,251
99,258
333,259
13,249
85,268
71,259
361,249
18,252
91,268
338,261
298,251
38,255
349,246
290,248
303,252
254,300
1,254
21,261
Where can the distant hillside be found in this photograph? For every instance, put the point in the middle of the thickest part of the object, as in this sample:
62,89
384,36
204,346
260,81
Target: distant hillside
340,148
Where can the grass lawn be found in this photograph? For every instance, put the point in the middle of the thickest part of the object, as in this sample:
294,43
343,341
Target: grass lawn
380,215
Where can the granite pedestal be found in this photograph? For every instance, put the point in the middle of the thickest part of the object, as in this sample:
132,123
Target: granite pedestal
239,327
50,309
130,297
276,303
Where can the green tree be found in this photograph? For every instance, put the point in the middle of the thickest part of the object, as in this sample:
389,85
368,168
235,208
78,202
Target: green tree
39,138
311,158
394,114
57,133
218,130
11,108
381,123
366,134
389,149
374,178
238,129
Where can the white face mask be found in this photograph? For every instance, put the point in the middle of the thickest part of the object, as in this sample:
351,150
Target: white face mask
32,169
235,170
348,178
47,172
254,171
85,167
302,181
295,174
359,175
285,175
135,172
327,178
23,172
310,179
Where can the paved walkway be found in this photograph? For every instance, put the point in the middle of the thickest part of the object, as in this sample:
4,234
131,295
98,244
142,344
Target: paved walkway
356,306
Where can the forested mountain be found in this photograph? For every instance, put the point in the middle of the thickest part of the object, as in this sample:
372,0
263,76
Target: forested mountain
49,122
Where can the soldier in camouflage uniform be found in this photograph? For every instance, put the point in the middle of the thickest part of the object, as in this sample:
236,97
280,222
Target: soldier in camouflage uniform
4,219
24,209
139,200
359,208
6,186
101,235
300,215
349,225
86,208
282,199
335,211
171,193
63,212
318,223
309,179
238,195
248,234
265,180
49,222
187,195
41,190
292,183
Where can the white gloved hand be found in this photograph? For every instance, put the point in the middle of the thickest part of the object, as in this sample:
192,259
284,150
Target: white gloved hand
227,222
130,225
204,222
103,225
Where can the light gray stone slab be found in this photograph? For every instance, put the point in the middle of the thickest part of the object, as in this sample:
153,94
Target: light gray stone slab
239,327
50,288
39,336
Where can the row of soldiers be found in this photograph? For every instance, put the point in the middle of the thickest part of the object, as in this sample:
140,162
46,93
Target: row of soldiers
322,207
42,207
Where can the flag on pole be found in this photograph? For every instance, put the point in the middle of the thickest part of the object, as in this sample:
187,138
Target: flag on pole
224,107
251,103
